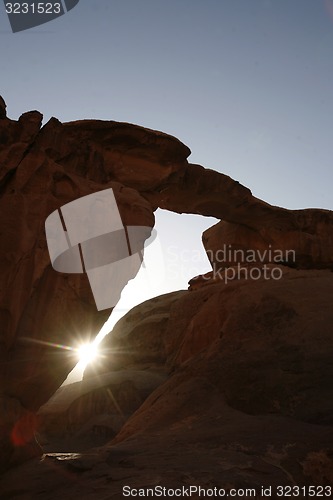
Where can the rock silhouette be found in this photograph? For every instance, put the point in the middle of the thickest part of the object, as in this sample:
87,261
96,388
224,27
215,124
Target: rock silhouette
256,353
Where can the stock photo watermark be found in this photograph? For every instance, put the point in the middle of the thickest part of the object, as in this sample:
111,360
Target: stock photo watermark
258,493
25,15
88,236
229,263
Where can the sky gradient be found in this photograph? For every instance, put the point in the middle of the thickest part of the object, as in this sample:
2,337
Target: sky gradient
246,84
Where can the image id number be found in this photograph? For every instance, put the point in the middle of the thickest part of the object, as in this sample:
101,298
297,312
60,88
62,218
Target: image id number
308,491
33,8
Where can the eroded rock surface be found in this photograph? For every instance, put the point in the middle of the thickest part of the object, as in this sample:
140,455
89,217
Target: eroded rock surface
126,371
42,312
139,340
265,344
91,412
247,402
250,373
305,244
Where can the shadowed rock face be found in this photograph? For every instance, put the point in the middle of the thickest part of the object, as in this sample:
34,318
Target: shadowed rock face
247,401
266,345
91,412
249,371
128,369
41,169
139,340
40,308
304,244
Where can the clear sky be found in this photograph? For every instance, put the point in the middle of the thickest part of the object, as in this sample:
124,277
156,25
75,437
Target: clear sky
246,84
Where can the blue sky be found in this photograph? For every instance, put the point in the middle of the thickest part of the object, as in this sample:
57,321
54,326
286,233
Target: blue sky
246,84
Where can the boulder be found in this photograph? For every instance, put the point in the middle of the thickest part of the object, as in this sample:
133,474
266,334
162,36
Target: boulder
305,245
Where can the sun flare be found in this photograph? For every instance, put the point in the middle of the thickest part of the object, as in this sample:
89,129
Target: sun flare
87,353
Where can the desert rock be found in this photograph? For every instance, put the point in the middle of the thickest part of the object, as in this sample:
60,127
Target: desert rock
44,314
3,113
247,402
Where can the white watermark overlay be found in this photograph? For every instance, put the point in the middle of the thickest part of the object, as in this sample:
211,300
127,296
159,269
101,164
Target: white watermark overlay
239,255
87,235
188,491
24,15
260,492
229,263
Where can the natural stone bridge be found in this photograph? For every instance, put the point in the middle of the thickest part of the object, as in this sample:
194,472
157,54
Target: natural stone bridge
44,168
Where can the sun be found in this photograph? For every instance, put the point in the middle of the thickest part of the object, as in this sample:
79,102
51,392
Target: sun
87,353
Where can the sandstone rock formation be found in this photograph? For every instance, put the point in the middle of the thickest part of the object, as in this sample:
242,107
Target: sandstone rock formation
42,311
126,371
3,113
248,366
250,371
91,412
266,345
247,403
304,244
139,340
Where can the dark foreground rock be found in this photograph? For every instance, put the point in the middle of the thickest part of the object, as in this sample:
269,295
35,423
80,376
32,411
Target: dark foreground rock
91,412
247,402
214,447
